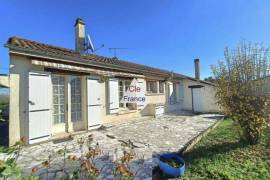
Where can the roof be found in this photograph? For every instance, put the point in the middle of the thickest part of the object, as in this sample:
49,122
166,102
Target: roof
33,47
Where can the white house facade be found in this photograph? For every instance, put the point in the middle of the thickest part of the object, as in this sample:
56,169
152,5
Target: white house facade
56,91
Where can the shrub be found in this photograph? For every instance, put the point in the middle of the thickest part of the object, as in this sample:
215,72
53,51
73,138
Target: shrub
8,167
242,81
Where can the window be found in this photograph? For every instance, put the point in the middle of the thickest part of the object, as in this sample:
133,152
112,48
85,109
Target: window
58,83
151,86
123,86
75,98
161,86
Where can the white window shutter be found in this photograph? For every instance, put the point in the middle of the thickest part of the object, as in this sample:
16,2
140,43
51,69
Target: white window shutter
39,106
113,96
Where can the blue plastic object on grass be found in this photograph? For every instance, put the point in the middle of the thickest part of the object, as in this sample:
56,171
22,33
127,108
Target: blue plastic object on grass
169,170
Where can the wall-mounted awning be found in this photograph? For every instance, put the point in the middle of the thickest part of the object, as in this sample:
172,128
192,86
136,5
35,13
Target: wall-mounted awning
195,86
68,67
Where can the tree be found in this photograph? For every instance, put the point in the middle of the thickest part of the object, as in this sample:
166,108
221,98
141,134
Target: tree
240,81
210,79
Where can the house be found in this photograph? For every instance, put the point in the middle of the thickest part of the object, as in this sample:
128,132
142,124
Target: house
265,84
55,90
4,81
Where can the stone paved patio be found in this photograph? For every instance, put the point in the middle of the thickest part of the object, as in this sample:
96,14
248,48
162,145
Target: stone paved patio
151,136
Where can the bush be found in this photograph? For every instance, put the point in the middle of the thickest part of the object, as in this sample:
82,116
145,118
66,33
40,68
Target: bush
242,93
8,167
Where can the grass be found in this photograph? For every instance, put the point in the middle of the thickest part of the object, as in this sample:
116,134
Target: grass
220,155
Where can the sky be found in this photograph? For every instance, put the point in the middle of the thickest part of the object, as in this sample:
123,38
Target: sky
167,34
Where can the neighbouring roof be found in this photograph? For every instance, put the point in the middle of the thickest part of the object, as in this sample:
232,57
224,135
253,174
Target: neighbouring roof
37,48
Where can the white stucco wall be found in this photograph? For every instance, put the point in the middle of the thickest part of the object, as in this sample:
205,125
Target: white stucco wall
208,97
19,124
209,100
19,67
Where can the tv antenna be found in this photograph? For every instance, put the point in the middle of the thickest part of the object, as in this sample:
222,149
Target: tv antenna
115,50
89,45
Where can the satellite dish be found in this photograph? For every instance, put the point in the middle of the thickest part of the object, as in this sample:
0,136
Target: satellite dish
89,43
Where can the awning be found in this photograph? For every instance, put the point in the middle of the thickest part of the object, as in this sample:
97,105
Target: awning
195,86
68,67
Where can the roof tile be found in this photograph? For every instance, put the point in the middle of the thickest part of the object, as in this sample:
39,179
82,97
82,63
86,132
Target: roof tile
37,46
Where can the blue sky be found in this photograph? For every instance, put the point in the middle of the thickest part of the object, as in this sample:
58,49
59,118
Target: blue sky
166,34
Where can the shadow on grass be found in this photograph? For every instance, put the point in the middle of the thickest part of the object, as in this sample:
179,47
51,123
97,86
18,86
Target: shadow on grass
202,152
212,150
216,117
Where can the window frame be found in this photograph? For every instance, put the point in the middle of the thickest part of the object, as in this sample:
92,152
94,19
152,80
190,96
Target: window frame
75,99
61,105
163,87
149,86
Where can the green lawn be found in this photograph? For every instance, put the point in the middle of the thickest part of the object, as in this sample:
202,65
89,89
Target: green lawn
220,155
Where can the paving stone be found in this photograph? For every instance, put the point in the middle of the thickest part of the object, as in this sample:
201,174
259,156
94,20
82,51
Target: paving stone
151,136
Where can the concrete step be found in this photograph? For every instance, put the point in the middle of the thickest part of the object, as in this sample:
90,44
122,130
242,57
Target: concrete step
61,137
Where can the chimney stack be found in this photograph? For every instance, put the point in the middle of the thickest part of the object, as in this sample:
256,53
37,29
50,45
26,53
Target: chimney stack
79,35
197,68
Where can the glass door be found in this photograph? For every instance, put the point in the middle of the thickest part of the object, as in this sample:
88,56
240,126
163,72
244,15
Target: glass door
59,104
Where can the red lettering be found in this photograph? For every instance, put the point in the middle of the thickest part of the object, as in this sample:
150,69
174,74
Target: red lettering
134,89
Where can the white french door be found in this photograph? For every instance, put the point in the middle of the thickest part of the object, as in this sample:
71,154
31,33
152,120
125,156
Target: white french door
93,102
39,106
58,104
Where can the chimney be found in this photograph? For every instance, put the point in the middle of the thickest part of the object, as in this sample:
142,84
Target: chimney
79,35
197,68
